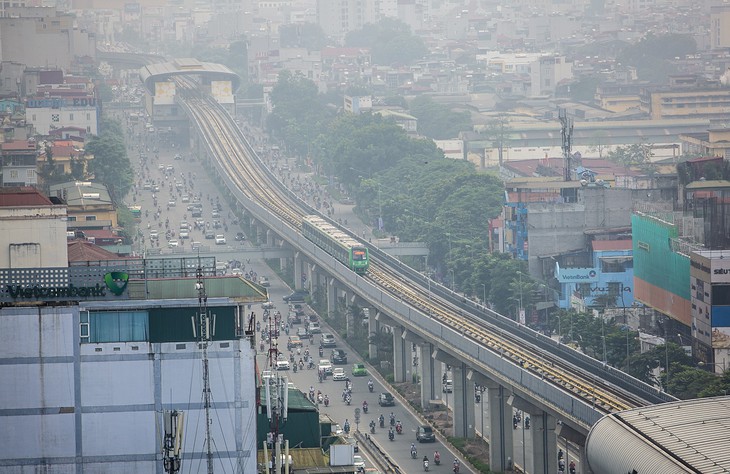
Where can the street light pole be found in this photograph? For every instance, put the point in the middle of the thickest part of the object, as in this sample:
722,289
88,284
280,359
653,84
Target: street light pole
484,294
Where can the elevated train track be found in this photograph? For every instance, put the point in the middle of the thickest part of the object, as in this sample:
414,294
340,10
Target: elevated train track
605,389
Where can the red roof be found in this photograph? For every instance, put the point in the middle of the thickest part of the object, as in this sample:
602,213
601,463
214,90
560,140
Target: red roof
84,251
22,196
18,145
601,245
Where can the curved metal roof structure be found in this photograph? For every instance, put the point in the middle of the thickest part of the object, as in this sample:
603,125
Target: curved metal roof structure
183,66
689,436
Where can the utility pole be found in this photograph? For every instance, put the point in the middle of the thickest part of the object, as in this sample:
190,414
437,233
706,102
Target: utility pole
277,400
566,132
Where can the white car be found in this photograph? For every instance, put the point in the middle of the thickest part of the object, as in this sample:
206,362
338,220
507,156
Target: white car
282,365
172,243
220,239
326,366
184,234
358,461
339,374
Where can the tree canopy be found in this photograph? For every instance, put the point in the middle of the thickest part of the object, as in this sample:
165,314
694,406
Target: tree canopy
651,56
438,121
111,165
390,41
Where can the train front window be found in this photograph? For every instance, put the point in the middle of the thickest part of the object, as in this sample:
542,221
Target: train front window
358,255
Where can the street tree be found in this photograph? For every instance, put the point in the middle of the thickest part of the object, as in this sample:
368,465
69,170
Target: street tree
438,121
111,165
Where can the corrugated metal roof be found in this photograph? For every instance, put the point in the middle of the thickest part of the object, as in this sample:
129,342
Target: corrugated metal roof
685,436
22,196
233,287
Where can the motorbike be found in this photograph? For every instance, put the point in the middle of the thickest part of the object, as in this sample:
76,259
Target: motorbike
399,428
294,368
321,352
371,386
365,408
392,420
527,422
425,465
437,459
320,399
372,427
326,401
348,400
414,453
347,428
391,435
382,421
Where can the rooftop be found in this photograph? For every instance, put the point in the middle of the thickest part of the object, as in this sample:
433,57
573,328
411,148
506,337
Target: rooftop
23,196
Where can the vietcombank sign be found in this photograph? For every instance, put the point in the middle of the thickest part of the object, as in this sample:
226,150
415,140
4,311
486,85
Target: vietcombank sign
113,284
576,275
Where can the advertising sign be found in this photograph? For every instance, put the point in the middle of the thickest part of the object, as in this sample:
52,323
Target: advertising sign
577,275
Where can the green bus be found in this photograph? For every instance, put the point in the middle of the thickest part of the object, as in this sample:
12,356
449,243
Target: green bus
335,242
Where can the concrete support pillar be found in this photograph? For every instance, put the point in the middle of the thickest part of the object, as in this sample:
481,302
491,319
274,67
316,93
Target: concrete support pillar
297,271
463,402
331,296
373,328
270,238
544,442
429,380
568,437
400,357
501,443
349,315
311,271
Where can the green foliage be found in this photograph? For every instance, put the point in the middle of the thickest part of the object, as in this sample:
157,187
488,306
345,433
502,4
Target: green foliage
709,171
651,56
584,89
105,92
298,116
630,155
390,42
111,165
52,173
438,121
307,35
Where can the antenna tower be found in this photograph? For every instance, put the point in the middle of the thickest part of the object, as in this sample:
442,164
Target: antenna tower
204,338
566,126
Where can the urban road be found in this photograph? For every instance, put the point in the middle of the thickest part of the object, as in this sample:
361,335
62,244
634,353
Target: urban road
173,215
195,180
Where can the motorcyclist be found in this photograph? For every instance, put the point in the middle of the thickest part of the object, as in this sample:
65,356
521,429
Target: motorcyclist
391,435
370,385
571,467
372,426
436,458
425,462
392,419
348,399
414,451
365,406
347,426
326,401
382,421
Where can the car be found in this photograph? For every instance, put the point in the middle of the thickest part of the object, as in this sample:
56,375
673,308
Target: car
339,374
172,203
154,235
195,245
209,234
184,234
267,305
314,328
302,332
448,386
215,215
217,224
220,239
294,341
197,213
328,340
358,461
297,295
425,434
325,366
338,357
386,400
282,365
240,236
185,198
172,243
263,281
359,370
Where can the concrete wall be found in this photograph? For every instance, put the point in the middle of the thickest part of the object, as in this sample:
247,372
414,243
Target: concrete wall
557,227
33,237
63,403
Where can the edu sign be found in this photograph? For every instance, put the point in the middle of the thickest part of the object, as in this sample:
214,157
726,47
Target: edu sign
578,275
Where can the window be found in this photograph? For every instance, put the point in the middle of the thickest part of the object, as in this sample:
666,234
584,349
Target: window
71,218
88,116
116,326
55,118
584,289
30,173
70,116
90,218
14,174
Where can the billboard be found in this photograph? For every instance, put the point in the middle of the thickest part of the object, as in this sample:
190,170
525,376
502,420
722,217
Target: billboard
576,275
164,93
222,91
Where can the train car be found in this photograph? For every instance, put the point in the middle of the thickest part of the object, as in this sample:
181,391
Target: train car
335,242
